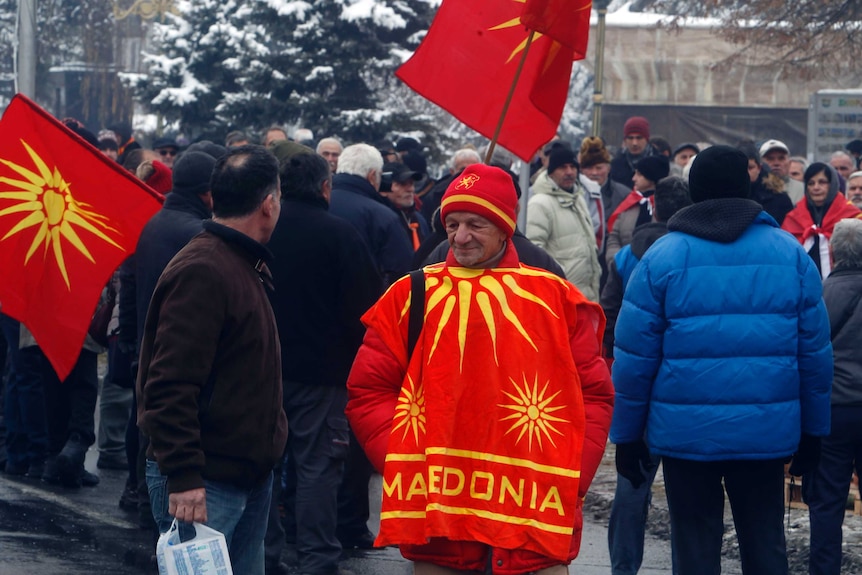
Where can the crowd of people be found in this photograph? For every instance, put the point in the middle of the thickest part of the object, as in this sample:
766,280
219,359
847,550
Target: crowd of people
302,313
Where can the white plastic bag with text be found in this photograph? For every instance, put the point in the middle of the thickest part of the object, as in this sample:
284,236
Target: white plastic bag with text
205,554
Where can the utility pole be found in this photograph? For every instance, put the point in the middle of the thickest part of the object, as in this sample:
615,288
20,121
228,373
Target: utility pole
601,7
26,63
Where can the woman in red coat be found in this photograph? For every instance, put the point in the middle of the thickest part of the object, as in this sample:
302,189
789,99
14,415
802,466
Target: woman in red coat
815,216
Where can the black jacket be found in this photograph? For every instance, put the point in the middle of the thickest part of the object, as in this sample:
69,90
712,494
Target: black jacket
623,166
842,293
356,200
776,204
180,219
324,280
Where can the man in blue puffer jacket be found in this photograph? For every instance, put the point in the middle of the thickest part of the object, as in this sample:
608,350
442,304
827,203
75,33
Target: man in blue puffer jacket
724,364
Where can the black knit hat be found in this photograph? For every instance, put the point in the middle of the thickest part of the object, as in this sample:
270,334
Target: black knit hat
653,168
719,172
192,172
560,156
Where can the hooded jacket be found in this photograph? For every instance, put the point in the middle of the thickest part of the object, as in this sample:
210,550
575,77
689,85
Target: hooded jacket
559,222
722,343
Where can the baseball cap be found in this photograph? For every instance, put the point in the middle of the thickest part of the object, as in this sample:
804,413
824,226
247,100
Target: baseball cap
773,145
400,172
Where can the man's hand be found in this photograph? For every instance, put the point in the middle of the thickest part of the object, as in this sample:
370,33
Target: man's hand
189,506
806,457
632,459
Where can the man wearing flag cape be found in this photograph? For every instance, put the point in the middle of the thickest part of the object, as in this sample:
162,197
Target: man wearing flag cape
481,396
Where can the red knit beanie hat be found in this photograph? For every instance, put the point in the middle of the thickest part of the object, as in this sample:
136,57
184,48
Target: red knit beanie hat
484,190
160,180
636,125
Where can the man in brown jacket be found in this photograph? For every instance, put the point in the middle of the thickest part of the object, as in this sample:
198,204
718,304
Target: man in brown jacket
209,382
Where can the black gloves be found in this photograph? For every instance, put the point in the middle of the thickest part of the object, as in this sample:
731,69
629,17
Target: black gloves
807,455
632,459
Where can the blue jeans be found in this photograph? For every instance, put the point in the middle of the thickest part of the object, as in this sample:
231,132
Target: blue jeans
627,523
240,514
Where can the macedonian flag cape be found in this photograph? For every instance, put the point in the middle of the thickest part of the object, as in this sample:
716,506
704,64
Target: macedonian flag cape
487,436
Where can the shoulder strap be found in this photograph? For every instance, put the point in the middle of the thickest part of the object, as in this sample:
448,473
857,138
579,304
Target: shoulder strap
417,310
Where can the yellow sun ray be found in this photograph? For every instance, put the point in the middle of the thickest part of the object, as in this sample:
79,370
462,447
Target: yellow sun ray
485,307
440,293
40,239
47,176
493,286
33,219
532,413
444,319
512,284
20,187
508,24
67,232
27,207
57,245
78,220
465,290
32,177
410,412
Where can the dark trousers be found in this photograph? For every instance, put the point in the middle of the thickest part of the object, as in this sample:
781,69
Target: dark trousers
695,498
825,489
25,417
353,509
71,404
317,444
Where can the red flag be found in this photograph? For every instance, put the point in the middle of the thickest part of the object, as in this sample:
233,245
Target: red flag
467,62
68,217
566,21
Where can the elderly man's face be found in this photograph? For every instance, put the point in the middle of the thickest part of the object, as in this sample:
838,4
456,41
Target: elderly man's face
330,152
565,176
474,239
854,191
778,162
797,171
598,173
401,194
843,165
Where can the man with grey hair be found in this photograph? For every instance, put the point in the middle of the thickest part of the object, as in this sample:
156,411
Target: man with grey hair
330,149
356,198
843,163
854,189
825,487
798,165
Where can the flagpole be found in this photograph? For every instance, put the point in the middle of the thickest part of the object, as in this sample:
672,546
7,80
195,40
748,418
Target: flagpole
508,101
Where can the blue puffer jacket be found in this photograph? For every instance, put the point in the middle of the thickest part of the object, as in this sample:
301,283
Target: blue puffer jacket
722,347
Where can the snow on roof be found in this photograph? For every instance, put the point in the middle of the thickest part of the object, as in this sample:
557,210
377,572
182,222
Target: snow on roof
625,18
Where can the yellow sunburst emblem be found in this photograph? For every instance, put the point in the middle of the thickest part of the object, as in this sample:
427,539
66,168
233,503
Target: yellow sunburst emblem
533,413
493,291
411,410
514,22
46,199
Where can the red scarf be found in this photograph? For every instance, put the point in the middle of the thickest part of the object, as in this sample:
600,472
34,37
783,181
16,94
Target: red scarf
633,199
800,223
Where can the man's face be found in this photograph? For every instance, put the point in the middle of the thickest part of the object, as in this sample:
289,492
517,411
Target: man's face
753,170
389,156
330,152
274,136
111,154
598,173
854,191
474,239
778,162
401,194
843,165
565,176
796,171
635,144
682,158
167,156
272,211
641,182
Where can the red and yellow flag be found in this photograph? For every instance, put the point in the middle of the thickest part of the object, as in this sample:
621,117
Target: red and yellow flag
467,63
68,217
566,21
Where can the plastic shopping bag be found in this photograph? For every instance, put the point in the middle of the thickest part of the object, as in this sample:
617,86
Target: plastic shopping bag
205,554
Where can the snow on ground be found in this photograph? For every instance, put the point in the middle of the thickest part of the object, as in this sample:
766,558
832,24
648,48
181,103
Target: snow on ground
601,494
